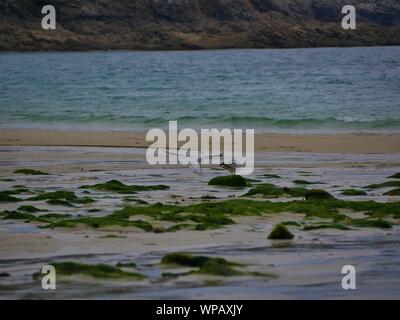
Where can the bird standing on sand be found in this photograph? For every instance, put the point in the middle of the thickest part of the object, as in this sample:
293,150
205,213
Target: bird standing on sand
231,167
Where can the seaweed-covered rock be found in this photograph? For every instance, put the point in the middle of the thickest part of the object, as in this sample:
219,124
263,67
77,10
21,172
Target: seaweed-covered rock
395,176
229,181
280,232
317,194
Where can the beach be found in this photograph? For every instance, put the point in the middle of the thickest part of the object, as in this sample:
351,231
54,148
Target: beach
357,143
307,267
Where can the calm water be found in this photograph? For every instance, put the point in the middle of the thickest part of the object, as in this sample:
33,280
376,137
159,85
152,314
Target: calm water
353,89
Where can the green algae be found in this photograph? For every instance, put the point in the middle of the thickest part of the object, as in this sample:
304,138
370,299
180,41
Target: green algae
101,222
387,184
112,236
102,271
6,197
304,182
31,172
205,265
180,226
393,192
56,196
395,176
126,265
217,214
280,232
273,176
353,192
270,191
27,217
326,226
119,187
376,223
291,223
230,181
317,194
59,202
30,209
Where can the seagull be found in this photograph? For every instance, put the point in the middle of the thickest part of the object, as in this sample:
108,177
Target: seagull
231,167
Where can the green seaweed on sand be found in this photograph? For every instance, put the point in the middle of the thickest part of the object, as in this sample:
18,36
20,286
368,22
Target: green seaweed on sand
317,194
101,222
28,217
59,202
62,195
353,192
180,226
230,181
304,182
273,176
15,191
119,187
7,180
325,226
270,191
369,223
102,271
393,192
205,265
126,265
387,184
395,176
31,172
280,232
56,216
291,223
5,197
30,209
14,215
112,236
94,210
216,214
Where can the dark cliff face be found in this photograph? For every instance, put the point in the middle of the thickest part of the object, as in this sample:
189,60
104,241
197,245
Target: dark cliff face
196,24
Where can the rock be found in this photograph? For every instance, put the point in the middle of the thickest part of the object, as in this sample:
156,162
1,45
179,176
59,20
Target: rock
280,232
195,24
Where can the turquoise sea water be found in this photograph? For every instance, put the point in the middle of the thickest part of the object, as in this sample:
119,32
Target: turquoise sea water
289,90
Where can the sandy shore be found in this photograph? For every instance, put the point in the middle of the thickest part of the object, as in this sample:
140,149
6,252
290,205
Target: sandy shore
317,143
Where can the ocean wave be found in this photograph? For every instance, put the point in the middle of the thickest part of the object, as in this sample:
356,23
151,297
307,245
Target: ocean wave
261,124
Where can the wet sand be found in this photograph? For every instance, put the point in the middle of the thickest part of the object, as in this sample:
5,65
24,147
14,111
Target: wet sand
317,143
307,267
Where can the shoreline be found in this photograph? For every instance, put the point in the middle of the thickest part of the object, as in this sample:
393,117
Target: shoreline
357,143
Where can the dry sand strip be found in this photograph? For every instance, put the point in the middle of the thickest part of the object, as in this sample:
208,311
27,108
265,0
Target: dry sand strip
318,143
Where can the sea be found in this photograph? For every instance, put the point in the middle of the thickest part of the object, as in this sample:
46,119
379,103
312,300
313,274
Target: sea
319,90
